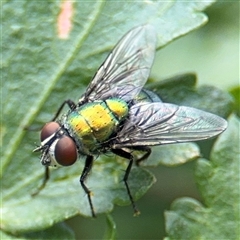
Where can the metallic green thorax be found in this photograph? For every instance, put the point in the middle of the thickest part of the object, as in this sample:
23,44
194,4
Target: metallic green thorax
93,123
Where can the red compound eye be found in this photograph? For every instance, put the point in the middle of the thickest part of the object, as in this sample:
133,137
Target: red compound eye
49,129
65,151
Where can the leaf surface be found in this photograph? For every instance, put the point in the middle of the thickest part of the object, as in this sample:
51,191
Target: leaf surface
218,180
40,70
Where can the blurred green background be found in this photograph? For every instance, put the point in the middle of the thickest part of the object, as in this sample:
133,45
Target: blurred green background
212,52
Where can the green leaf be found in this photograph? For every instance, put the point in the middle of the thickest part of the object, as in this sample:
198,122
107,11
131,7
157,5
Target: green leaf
183,90
110,233
236,95
39,71
218,181
58,231
173,154
63,197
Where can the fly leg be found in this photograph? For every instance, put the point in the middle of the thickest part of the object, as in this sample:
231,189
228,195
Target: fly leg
128,156
85,172
147,153
70,104
45,180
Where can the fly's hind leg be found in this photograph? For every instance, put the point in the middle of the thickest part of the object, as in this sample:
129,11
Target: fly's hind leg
85,172
147,153
128,156
45,180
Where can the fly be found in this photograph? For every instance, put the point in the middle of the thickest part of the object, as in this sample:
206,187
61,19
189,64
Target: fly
117,115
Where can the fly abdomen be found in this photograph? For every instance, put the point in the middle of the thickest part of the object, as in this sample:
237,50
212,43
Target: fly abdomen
93,123
118,107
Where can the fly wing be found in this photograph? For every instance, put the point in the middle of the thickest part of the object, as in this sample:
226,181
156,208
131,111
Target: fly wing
162,123
126,68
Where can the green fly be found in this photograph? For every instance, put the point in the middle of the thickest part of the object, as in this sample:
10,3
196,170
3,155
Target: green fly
117,115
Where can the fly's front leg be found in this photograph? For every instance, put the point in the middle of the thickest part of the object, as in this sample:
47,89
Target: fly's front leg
70,104
45,180
85,172
128,156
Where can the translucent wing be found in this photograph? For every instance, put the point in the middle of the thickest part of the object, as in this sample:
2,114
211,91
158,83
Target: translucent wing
126,68
161,123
